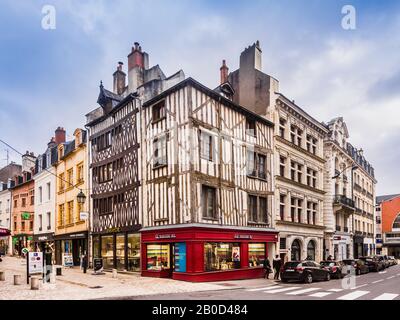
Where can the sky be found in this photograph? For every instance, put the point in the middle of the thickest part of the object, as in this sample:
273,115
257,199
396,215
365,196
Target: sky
50,78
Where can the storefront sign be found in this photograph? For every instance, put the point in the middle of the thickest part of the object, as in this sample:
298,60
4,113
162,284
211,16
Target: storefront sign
68,260
35,262
180,257
97,264
337,238
43,237
25,216
165,236
84,215
4,232
243,236
113,230
80,235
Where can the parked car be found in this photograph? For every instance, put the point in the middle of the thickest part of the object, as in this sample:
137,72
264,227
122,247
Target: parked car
335,268
392,260
385,260
305,271
359,266
373,263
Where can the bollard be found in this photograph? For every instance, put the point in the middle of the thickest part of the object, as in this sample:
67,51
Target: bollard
114,273
17,279
34,283
59,271
2,276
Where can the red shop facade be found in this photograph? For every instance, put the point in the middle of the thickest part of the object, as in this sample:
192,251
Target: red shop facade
200,253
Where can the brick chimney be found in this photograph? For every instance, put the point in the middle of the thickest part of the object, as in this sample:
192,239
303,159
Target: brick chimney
138,61
119,79
224,72
60,135
135,58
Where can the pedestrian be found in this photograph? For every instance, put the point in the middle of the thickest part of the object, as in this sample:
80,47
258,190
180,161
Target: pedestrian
267,268
330,258
84,262
276,264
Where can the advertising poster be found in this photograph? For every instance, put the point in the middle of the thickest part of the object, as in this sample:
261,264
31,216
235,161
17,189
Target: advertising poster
68,260
35,262
180,257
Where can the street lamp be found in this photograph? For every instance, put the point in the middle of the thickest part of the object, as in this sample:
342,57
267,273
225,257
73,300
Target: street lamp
353,168
81,197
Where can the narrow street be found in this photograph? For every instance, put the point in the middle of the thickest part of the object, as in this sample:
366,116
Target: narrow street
384,285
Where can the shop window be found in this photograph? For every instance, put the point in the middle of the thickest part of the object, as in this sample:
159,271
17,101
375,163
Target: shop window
158,256
295,251
120,251
311,251
208,198
96,247
107,251
256,254
133,252
221,256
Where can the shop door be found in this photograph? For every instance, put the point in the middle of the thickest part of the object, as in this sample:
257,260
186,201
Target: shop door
171,259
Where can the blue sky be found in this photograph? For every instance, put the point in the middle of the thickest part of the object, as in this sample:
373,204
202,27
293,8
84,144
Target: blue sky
51,78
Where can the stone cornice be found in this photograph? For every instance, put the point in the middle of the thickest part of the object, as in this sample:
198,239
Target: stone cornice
292,145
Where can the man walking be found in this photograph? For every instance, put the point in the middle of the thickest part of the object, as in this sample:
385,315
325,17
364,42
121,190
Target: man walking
277,263
267,268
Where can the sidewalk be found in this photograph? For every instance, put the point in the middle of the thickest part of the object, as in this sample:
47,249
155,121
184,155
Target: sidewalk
75,285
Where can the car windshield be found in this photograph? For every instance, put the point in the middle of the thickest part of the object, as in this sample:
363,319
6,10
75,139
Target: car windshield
291,265
327,263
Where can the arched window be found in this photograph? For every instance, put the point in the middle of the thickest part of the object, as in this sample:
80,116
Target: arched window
396,223
311,251
295,251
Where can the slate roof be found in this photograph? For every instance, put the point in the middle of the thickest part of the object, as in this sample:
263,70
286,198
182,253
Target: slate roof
381,199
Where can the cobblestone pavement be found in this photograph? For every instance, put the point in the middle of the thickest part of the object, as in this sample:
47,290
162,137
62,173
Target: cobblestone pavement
75,285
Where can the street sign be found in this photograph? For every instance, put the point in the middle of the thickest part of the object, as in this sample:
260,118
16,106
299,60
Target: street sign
84,215
25,250
35,263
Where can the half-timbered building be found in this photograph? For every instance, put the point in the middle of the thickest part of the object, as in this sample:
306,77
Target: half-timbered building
207,192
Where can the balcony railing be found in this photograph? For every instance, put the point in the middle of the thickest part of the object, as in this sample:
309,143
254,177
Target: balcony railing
344,200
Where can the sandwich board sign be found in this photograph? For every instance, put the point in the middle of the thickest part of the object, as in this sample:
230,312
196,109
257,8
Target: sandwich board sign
34,265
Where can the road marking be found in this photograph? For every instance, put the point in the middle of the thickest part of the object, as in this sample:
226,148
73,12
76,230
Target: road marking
265,288
390,278
377,281
363,285
382,272
354,295
387,296
294,293
281,290
320,294
335,290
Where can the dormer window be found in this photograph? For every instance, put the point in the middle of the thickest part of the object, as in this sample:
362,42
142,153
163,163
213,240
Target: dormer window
60,151
159,111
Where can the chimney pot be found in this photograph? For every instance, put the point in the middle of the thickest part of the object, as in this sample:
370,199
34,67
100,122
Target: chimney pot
224,70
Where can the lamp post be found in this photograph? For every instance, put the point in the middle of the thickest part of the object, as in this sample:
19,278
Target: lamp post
81,198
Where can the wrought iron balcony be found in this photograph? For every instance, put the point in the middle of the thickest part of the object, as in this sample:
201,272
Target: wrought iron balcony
341,199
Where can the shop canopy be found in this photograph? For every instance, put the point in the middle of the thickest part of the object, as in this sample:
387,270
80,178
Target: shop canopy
4,232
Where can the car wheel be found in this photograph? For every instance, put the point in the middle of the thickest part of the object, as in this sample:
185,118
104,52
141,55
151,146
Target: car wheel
284,280
328,277
308,278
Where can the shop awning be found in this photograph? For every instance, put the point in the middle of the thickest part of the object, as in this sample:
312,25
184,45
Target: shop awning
4,232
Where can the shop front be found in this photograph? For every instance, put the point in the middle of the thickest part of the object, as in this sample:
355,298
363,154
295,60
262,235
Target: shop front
199,253
20,242
341,247
118,248
4,241
45,243
358,246
70,248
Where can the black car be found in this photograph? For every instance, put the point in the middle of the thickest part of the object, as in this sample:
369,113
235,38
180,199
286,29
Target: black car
306,271
373,263
359,265
335,268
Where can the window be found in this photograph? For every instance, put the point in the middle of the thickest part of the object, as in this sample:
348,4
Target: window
158,256
296,135
48,220
70,177
79,173
256,254
22,226
103,206
282,203
296,171
40,222
282,166
296,209
311,250
103,141
160,151
221,256
23,202
282,126
15,203
251,127
257,209
159,111
251,163
261,165
206,146
312,144
48,191
30,225
256,165
133,252
208,198
61,180
40,195
312,212
70,212
396,223
311,178
107,251
103,173
61,214
32,200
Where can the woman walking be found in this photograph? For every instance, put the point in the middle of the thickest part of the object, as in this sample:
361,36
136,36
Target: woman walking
267,268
